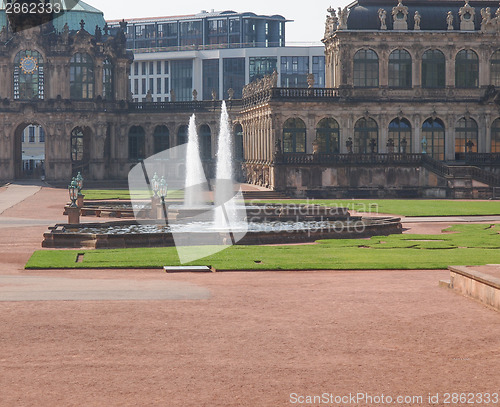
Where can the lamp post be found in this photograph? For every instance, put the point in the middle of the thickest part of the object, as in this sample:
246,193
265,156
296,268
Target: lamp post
73,210
79,183
155,186
162,191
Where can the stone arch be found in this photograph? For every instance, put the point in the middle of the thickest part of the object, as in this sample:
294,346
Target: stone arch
80,149
30,149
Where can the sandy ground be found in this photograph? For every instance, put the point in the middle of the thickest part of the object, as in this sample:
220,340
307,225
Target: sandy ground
252,339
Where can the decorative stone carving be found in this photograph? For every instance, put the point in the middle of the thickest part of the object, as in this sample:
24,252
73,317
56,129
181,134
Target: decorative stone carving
382,15
467,14
332,22
449,20
417,19
489,24
267,82
310,80
343,15
195,95
400,16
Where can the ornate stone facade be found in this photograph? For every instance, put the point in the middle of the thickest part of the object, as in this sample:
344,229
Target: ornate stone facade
75,85
402,105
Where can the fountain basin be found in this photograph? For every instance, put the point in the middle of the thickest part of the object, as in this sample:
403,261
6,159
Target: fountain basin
128,234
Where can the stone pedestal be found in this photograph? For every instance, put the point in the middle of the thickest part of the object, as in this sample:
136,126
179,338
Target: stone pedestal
73,215
79,200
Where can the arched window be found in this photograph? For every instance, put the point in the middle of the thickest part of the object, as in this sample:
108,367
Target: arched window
400,134
136,143
400,69
466,138
495,69
328,136
107,80
365,136
366,69
467,69
294,136
433,138
182,135
495,136
161,139
433,69
81,74
205,142
77,145
239,153
28,76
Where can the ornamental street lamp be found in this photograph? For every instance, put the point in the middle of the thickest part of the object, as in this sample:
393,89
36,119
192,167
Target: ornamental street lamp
73,210
73,192
79,182
155,185
163,189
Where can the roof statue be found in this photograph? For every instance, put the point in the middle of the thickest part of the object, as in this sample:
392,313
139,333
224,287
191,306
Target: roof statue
400,16
467,14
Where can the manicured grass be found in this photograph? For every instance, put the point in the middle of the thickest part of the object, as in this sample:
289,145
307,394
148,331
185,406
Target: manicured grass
411,207
471,245
123,194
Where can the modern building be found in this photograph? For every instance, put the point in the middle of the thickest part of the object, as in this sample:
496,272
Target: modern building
212,53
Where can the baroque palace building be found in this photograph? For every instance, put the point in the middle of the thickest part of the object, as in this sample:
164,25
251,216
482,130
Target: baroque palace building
410,106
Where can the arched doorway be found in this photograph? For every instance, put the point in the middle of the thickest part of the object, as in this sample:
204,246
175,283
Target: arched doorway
29,151
80,150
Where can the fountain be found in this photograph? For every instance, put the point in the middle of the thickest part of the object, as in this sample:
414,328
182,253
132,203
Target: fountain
196,182
211,227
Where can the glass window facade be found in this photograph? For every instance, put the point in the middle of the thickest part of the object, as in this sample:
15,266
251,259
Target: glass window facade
182,135
209,30
77,145
210,78
365,131
262,66
466,132
495,136
81,72
28,76
328,136
294,136
400,69
400,133
433,138
318,69
205,142
294,71
136,144
107,80
433,69
366,69
234,76
182,79
495,69
191,34
161,139
467,69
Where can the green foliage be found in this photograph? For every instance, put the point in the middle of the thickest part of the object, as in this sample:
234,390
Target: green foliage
465,244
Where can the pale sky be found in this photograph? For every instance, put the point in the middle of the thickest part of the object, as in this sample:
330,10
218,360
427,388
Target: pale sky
308,25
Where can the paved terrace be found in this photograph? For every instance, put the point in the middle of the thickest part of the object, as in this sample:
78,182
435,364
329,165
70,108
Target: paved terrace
146,338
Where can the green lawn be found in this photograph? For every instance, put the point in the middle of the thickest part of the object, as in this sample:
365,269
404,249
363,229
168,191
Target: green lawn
123,194
471,245
411,207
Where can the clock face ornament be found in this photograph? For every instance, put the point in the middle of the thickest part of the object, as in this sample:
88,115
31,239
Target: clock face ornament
28,65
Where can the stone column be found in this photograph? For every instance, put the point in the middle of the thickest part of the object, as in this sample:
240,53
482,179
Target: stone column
450,137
